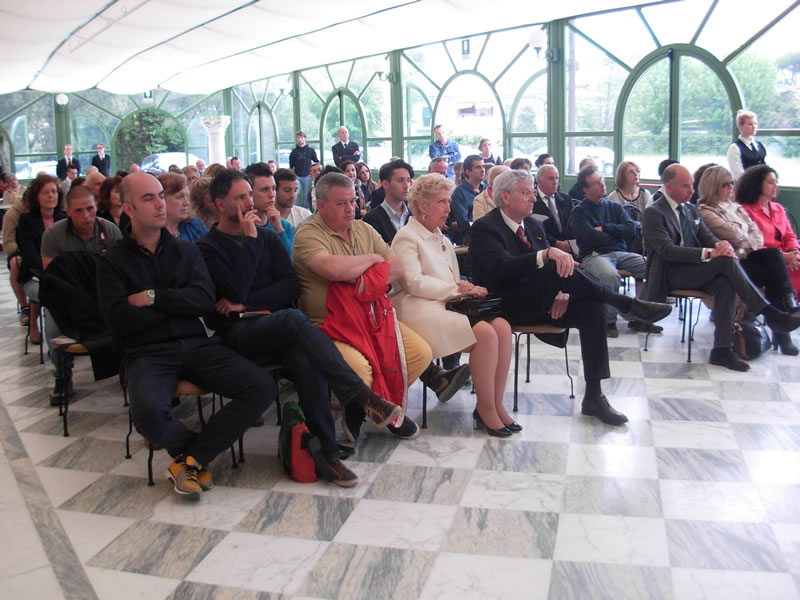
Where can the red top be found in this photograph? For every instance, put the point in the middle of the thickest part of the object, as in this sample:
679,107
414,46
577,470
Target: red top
777,230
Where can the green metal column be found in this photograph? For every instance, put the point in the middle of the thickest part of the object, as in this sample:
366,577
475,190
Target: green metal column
63,136
296,101
556,86
396,103
674,104
227,109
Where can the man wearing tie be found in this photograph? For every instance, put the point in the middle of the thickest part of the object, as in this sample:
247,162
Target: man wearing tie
344,149
66,162
684,254
539,284
101,160
555,206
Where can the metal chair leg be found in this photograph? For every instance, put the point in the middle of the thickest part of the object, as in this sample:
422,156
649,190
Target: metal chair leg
424,405
66,377
571,383
528,363
516,370
150,481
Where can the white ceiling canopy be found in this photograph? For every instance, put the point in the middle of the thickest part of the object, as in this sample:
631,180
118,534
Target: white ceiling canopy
200,46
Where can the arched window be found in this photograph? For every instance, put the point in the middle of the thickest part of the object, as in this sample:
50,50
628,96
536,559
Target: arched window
261,137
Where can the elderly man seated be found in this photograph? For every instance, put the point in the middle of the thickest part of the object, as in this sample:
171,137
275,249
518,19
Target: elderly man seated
540,284
345,269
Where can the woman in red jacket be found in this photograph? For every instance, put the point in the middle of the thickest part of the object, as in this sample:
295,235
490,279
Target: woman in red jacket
756,190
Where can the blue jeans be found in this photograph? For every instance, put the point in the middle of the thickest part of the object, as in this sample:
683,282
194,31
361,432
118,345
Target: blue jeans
303,185
606,266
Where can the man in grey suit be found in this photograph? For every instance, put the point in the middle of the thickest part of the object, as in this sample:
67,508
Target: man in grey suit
683,253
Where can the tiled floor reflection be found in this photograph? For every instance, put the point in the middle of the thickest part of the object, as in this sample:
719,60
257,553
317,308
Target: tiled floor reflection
698,497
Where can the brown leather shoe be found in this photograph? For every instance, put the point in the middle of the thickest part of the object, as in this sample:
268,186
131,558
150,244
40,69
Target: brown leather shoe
344,477
380,411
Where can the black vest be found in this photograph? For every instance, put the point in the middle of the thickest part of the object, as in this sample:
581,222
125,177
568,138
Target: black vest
751,157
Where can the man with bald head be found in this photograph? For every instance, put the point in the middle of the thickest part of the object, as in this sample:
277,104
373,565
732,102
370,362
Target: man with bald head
684,254
153,289
344,149
94,181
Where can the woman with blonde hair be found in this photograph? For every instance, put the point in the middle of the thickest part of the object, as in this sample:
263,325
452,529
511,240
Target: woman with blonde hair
746,151
731,222
200,202
430,278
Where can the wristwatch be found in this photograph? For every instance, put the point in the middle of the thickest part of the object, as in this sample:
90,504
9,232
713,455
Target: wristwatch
152,295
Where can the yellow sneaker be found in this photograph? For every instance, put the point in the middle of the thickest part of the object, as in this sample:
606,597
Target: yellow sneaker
183,472
204,478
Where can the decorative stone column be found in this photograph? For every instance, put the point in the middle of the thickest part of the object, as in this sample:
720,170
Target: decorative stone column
215,128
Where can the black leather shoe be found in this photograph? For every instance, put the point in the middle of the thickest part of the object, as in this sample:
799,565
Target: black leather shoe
644,327
781,322
514,427
649,312
600,408
724,357
477,423
784,342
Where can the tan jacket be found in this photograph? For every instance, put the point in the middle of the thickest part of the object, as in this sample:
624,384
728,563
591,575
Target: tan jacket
729,221
482,204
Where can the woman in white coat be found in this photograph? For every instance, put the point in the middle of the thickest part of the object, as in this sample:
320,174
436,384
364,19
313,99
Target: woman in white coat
430,278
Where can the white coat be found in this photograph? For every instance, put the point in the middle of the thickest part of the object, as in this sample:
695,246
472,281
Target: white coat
430,272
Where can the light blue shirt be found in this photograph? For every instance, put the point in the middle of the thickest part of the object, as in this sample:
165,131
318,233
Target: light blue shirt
397,220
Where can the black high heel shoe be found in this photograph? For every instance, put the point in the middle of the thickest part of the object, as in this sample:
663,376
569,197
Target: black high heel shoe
477,423
514,427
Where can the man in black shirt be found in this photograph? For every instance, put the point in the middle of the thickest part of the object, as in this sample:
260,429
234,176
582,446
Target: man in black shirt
153,288
300,161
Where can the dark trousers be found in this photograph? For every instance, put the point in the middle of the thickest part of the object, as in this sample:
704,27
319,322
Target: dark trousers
767,269
585,312
307,357
724,278
153,373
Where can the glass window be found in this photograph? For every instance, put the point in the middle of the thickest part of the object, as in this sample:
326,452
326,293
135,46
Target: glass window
516,76
705,115
469,111
531,113
119,105
783,155
379,153
419,97
318,79
284,117
259,88
175,104
645,124
245,93
472,46
340,72
90,127
675,23
594,82
310,110
27,167
433,61
528,147
5,149
621,32
12,102
378,109
260,135
733,22
33,130
501,49
599,147
148,132
239,122
417,155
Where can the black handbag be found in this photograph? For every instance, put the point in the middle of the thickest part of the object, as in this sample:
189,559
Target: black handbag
476,309
750,338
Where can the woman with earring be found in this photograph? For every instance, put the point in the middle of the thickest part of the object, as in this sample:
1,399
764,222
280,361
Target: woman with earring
431,277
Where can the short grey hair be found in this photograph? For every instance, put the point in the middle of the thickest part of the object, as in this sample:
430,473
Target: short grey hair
424,189
545,168
508,182
326,182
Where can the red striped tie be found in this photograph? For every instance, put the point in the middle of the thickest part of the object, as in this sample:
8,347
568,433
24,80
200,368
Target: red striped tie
521,235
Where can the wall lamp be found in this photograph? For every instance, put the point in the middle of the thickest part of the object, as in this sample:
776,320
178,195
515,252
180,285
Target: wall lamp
390,77
283,92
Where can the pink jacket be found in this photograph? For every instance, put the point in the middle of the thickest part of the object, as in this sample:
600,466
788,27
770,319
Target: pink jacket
776,228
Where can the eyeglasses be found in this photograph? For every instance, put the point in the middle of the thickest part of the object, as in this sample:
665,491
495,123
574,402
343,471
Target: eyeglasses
632,172
728,184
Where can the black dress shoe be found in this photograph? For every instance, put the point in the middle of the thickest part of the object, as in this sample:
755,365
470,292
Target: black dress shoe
477,423
649,312
644,327
724,357
784,342
780,321
600,408
514,427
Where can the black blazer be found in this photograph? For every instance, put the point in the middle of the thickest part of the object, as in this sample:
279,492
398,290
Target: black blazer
503,264
103,164
342,153
61,167
662,239
564,205
30,230
381,222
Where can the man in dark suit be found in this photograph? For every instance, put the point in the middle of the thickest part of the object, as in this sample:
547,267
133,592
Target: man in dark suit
344,149
548,198
539,284
101,160
683,253
392,213
66,162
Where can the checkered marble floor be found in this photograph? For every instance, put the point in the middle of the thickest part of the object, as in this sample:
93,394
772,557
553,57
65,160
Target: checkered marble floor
697,497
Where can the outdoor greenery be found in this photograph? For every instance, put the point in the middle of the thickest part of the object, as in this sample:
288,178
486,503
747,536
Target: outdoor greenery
147,131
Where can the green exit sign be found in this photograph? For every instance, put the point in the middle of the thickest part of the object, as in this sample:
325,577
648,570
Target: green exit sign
148,95
464,47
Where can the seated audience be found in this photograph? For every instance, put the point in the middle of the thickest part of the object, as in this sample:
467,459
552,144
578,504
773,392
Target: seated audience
698,175
109,205
683,254
94,181
10,247
457,172
45,202
387,219
746,151
729,221
176,196
191,174
576,192
438,165
13,192
213,169
460,219
521,164
539,284
484,202
604,230
431,277
152,289
662,166
311,199
267,214
365,181
555,207
544,159
628,192
344,266
251,271
756,191
83,230
348,167
200,202
286,186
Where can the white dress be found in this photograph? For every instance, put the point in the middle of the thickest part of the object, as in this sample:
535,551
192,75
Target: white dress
430,274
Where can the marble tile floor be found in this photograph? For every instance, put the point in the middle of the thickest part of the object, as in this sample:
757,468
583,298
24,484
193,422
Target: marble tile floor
698,497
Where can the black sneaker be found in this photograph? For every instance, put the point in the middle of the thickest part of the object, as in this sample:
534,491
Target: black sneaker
447,383
643,327
407,430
